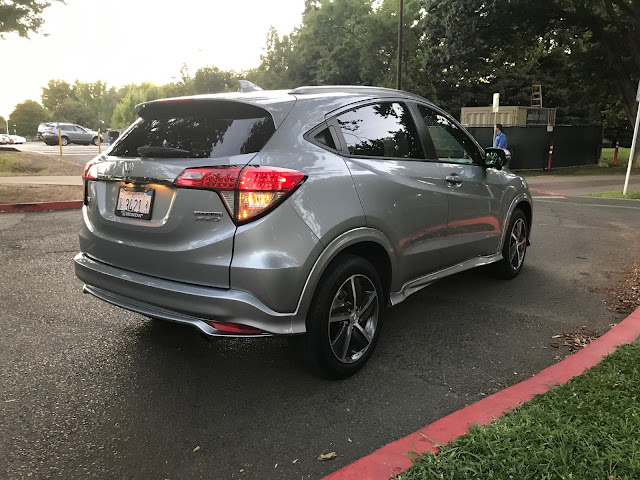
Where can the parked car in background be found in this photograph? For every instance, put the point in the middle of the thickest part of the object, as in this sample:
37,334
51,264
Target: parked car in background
44,126
15,139
4,139
69,133
301,212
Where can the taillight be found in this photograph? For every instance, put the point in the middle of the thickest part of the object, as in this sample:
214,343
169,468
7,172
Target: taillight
90,171
247,192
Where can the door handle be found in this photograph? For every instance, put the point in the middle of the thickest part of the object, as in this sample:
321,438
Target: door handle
454,180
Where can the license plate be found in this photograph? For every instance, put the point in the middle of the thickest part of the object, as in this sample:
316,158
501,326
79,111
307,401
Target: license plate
135,203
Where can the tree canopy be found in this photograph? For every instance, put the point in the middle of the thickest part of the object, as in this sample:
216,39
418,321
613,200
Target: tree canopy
22,16
26,117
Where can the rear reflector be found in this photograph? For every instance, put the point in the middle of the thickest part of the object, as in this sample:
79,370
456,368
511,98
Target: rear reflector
235,328
247,192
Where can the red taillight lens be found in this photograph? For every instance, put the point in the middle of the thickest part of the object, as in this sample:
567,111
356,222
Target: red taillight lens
218,179
247,192
234,328
90,171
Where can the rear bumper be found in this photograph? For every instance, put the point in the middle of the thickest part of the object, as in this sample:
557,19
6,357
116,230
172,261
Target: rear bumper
179,302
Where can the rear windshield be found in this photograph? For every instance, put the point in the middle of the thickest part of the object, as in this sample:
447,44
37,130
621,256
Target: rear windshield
201,135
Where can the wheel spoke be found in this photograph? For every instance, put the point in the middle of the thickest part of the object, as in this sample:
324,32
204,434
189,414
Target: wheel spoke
339,318
347,342
364,333
364,313
353,290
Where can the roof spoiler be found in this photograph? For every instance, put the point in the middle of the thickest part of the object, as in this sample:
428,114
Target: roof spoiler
245,86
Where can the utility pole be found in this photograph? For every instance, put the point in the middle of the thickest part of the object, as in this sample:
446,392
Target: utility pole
400,25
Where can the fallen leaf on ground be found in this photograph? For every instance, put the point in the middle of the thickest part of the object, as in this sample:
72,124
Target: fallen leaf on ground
197,448
295,461
327,456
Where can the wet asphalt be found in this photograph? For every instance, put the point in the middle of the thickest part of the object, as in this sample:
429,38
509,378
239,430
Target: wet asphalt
88,390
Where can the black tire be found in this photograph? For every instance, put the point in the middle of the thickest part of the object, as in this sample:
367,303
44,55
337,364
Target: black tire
64,141
94,141
359,333
511,264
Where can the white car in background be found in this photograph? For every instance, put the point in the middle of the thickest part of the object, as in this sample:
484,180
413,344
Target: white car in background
13,139
4,139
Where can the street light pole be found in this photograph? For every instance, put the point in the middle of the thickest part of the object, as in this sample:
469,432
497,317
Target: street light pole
400,28
634,144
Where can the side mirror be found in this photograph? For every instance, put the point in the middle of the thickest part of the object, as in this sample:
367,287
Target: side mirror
496,158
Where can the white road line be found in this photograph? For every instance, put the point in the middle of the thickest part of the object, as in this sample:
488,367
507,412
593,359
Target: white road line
594,204
548,196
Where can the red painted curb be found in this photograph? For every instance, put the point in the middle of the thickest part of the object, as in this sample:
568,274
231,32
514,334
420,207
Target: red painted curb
545,193
393,459
40,206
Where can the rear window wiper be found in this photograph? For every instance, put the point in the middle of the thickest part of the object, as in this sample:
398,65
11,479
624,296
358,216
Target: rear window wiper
150,151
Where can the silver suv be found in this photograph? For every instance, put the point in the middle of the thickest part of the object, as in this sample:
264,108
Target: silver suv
69,133
295,212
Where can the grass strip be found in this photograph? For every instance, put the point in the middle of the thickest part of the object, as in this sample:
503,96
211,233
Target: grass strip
27,163
631,194
586,429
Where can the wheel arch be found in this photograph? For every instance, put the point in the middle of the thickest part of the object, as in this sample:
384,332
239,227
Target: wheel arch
367,243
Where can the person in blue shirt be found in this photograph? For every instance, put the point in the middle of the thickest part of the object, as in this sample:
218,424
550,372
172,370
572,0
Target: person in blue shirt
501,138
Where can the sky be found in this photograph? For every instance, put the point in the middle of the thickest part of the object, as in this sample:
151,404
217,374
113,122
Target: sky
124,41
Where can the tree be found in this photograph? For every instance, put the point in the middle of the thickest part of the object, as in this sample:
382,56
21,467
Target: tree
214,80
56,92
74,111
3,125
27,116
22,16
585,50
124,113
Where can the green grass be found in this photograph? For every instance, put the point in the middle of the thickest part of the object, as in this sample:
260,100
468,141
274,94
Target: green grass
586,429
631,194
605,167
10,165
608,153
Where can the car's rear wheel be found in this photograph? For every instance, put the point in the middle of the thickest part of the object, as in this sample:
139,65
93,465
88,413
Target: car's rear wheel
64,141
514,249
94,141
343,324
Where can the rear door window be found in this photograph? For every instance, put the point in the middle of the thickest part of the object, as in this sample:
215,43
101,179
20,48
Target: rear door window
383,129
197,135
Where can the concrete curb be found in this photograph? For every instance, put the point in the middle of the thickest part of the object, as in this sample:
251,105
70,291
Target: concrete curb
393,459
40,206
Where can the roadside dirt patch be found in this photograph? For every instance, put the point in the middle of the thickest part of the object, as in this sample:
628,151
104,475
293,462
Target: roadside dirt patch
27,163
40,193
575,339
625,298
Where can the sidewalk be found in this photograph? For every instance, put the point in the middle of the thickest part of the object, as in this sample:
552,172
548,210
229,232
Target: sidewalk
578,186
41,180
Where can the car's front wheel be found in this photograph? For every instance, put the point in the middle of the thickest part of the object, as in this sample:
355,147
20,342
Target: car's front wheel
343,324
514,248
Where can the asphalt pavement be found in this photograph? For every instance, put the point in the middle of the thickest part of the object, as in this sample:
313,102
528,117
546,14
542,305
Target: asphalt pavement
79,154
88,390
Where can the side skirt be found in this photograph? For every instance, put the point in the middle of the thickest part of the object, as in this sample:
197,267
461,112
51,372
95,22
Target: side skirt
413,286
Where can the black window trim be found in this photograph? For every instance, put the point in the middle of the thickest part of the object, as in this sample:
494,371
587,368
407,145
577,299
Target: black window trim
344,150
311,134
423,130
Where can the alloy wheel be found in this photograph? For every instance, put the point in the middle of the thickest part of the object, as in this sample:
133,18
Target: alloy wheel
517,243
353,318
